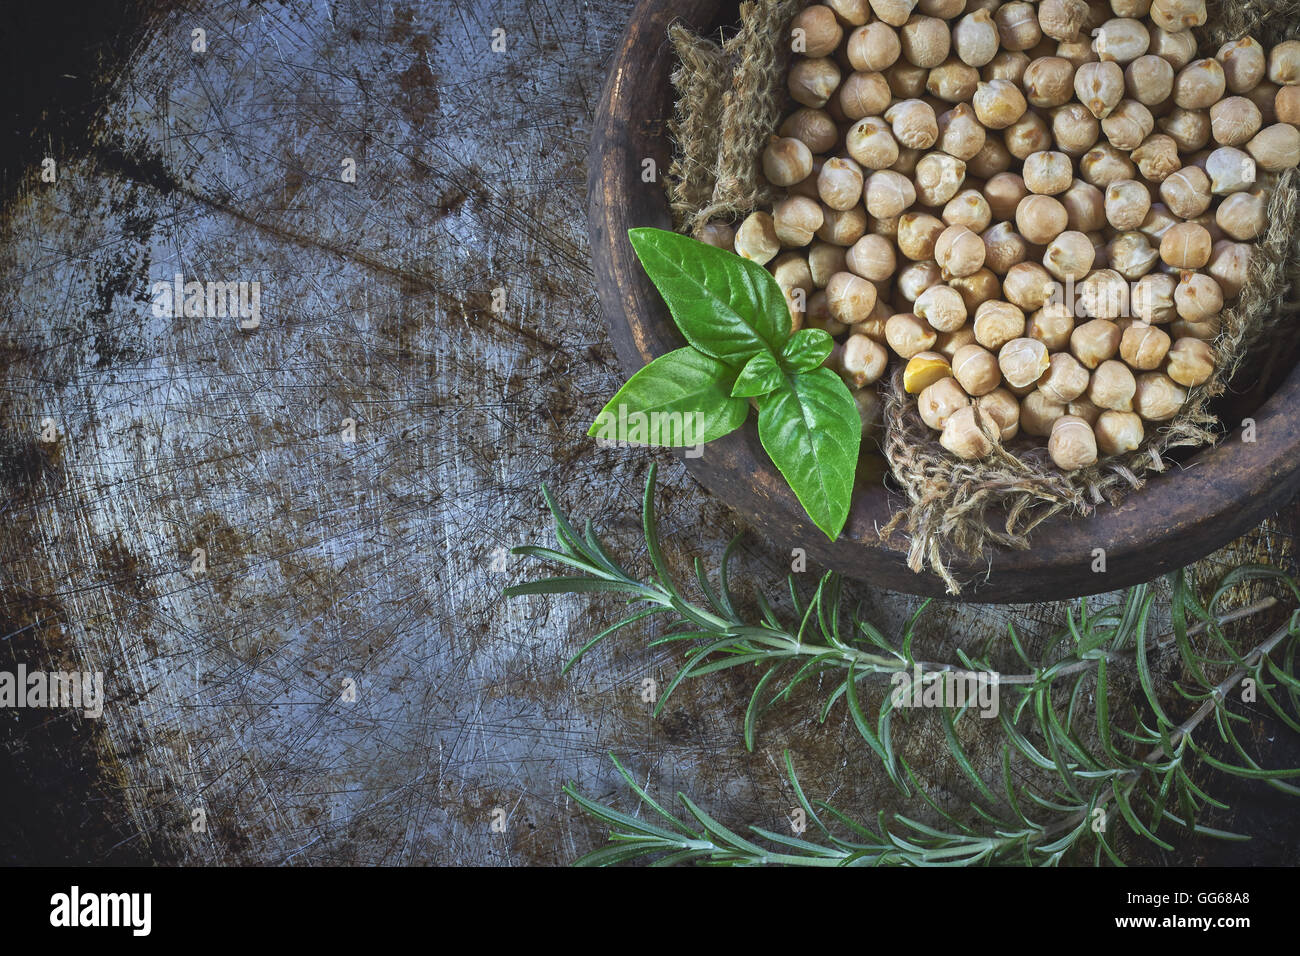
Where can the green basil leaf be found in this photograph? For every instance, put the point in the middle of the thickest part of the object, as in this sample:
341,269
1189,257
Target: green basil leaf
759,376
806,350
811,430
726,306
679,400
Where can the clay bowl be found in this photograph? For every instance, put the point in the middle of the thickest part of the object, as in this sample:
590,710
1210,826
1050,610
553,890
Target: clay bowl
1180,516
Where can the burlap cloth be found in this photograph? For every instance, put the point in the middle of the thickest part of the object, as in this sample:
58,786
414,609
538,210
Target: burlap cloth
730,99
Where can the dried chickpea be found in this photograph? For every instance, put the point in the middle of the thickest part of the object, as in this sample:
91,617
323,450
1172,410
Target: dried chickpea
959,252
1085,207
1178,15
873,48
915,278
862,94
1121,39
923,370
819,315
1004,248
976,369
1112,386
1187,192
938,177
1158,222
963,436
977,289
871,143
960,132
1104,294
950,342
975,38
1144,346
993,158
1065,379
938,401
1095,342
1197,297
1078,52
1284,63
1244,63
1023,361
1176,46
888,194
1028,285
1243,216
1062,19
1199,85
1157,398
1082,408
756,238
1127,204
796,220
1234,120
1099,87
1074,129
1149,79
1072,444
1189,129
908,335
1049,81
1038,414
1286,105
893,12
1264,96
941,307
839,184
1052,325
917,234
811,82
851,298
717,234
997,323
1157,158
925,41
1040,219
863,360
914,123
1128,125
906,81
1048,173
824,260
1229,265
999,103
843,228
1190,362
816,129
815,31
1207,331
1132,255
1117,432
952,81
1002,408
1153,298
853,13
1276,148
907,160
1004,192
968,208
1186,246
871,257
1017,24
786,161
1070,256
1104,164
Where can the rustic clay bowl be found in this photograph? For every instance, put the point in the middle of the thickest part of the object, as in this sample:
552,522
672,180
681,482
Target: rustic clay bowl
1178,517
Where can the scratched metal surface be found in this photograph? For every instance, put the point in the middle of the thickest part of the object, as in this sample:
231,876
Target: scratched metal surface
331,560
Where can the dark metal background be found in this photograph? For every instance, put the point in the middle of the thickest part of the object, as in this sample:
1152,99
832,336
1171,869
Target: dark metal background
329,561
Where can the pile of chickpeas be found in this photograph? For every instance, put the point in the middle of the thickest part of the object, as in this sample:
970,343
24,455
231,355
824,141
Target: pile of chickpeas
1040,208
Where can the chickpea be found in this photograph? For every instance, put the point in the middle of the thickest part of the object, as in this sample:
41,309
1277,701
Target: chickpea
1049,82
1072,444
1104,294
950,342
873,48
871,143
925,41
1144,346
1178,15
852,13
1070,256
815,31
917,234
1048,173
1062,19
888,193
1207,331
1186,246
1004,192
1017,25
997,323
1276,148
819,315
939,400
1099,87
839,184
1001,407
1264,96
908,335
977,289
843,228
1052,325
1197,297
1074,129
1199,85
1065,379
1189,129
976,370
1085,207
1095,342
975,38
1104,164
860,96
952,81
999,103
1149,79
1112,386
1023,361
942,307
756,238
1132,255
906,81
786,161
959,252
963,435
1128,125
814,128
1078,52
938,178
1230,265
795,221
1040,219
1004,248
1157,398
993,158
960,132
923,370
1176,46
1118,432
1234,120
717,234
851,298
812,81
968,208
1121,39
1038,414
1191,362
1244,63
915,278
1243,216
1187,192
872,258
1157,158
1286,105
914,123
1127,204
1153,298
1284,63
863,361
1082,408
1028,285
907,160
1230,171
824,260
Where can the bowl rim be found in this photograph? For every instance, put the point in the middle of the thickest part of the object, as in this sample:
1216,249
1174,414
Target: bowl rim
1220,492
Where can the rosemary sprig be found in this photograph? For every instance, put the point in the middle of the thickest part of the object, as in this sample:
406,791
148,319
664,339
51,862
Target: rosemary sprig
1121,757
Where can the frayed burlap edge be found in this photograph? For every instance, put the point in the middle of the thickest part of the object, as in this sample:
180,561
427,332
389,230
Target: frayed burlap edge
958,506
729,102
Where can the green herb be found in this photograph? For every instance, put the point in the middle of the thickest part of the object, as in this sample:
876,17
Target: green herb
1093,752
734,315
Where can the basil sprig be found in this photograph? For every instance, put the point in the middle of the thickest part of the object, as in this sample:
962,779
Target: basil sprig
734,315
